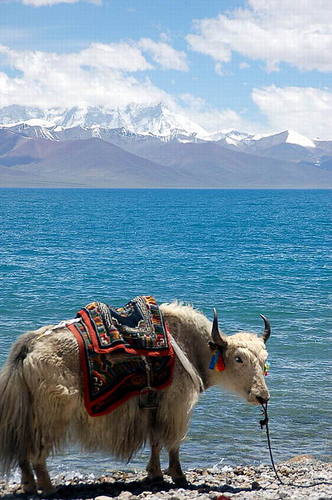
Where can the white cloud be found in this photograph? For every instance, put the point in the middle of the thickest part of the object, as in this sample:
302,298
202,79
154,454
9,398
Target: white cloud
98,75
108,75
101,74
119,56
214,119
111,75
304,109
164,55
123,57
295,32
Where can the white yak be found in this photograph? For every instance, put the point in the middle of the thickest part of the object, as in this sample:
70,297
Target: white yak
42,407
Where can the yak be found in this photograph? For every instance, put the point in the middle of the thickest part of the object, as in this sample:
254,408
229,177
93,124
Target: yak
42,408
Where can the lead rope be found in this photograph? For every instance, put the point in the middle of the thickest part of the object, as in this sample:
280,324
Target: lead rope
265,423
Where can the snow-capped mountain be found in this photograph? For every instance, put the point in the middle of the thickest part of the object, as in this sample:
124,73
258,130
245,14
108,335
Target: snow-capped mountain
153,147
156,120
40,143
287,145
32,128
232,137
285,137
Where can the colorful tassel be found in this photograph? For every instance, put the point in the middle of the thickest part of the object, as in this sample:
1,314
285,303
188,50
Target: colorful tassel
217,362
220,366
266,369
213,361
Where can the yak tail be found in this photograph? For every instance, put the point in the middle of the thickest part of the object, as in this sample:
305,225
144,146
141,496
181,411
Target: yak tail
16,429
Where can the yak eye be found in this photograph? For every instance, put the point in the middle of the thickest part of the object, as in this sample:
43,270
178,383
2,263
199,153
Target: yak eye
238,359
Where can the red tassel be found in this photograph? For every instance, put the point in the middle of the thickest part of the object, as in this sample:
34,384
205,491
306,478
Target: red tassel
220,366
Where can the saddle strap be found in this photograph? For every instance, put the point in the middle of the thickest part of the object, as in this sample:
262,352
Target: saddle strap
187,365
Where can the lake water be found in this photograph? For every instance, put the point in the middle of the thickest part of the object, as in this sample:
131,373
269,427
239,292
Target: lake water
243,252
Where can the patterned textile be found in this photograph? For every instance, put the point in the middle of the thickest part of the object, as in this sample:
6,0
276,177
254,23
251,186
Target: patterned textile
124,352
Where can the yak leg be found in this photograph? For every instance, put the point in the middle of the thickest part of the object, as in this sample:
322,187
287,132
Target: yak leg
174,469
153,468
44,482
27,478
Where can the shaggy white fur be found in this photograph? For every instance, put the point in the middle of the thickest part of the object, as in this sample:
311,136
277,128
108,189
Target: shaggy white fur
42,408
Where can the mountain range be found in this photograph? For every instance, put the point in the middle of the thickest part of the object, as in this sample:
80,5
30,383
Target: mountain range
139,146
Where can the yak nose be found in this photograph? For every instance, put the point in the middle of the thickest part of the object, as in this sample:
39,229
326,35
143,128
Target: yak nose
262,400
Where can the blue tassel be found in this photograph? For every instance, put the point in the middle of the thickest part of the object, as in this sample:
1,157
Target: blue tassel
213,361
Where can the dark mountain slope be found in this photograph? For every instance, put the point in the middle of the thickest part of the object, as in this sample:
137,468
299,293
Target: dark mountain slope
217,166
90,162
94,162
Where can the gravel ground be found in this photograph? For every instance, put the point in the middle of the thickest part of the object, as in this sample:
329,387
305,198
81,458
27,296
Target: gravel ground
303,478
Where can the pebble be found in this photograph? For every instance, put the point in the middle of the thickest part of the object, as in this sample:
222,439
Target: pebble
238,483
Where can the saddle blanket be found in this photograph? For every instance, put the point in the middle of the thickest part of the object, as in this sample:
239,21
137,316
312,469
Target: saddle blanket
124,352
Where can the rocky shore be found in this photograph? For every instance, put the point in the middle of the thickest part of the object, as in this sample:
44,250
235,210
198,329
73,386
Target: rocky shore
303,477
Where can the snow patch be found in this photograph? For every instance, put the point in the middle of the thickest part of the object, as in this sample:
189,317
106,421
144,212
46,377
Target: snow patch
157,120
36,122
296,138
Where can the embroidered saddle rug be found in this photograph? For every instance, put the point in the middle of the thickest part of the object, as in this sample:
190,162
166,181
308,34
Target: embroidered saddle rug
124,352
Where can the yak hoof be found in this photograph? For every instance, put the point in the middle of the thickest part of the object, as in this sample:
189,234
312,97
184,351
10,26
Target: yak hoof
180,481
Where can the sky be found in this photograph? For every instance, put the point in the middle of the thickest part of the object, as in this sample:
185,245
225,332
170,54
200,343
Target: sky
258,66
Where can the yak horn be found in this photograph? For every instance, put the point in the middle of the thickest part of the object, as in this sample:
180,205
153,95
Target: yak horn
217,337
267,328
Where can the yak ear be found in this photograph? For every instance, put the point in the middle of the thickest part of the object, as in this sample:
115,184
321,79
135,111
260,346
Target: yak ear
267,328
218,338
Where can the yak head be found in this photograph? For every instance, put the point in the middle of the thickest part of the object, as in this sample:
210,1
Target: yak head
241,365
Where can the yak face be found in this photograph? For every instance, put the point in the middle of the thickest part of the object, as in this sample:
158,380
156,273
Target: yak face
244,358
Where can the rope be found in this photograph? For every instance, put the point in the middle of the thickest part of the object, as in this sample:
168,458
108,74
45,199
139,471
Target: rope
265,422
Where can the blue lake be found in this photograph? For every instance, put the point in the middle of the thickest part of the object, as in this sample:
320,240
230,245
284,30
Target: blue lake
243,252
